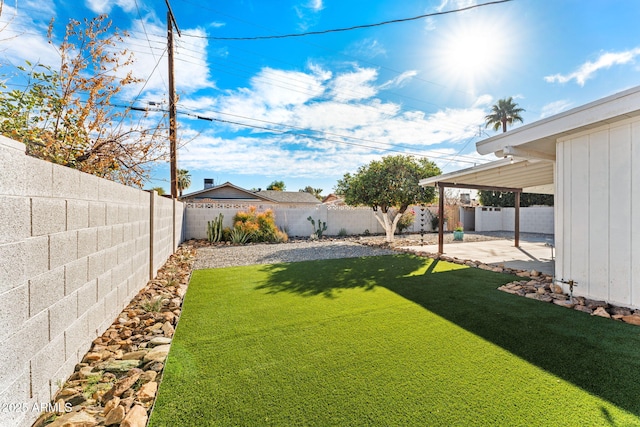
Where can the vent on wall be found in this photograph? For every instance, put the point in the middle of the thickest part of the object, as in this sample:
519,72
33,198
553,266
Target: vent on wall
208,182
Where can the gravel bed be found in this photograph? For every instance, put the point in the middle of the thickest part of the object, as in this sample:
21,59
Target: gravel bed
230,256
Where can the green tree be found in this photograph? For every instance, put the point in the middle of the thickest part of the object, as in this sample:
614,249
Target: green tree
277,186
504,112
159,190
507,200
184,180
66,115
389,186
317,192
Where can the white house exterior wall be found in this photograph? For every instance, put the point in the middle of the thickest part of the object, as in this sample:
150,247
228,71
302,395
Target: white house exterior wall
597,215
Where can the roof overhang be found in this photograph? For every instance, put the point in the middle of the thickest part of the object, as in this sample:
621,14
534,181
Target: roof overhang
528,176
540,137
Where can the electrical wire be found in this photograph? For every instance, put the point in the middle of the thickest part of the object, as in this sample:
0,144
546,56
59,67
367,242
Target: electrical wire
354,27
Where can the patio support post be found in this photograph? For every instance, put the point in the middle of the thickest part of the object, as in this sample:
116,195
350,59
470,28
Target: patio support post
517,224
441,220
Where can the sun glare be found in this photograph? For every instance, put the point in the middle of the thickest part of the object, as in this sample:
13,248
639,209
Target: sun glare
473,52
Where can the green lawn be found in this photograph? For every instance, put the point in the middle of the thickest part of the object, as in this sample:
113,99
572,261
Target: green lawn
393,340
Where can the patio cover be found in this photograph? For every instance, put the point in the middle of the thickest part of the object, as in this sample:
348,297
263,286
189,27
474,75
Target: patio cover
511,175
530,176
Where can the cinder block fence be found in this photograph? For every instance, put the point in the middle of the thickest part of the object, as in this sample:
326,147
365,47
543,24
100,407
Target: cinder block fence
74,250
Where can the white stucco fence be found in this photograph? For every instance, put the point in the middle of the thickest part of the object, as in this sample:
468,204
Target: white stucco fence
74,250
533,219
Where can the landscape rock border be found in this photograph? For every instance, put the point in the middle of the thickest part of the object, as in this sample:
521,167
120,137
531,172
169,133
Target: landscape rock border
116,382
539,286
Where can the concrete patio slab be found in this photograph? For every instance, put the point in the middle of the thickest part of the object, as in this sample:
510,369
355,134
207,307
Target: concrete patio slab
529,256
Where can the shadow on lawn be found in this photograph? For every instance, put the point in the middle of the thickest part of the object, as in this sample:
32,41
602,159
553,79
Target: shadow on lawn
598,355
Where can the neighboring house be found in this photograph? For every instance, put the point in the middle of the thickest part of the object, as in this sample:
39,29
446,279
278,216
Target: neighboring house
589,158
229,193
334,200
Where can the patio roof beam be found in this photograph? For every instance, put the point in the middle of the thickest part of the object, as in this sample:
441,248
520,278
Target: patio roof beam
479,187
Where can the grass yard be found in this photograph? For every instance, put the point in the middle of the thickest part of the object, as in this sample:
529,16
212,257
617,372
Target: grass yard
393,340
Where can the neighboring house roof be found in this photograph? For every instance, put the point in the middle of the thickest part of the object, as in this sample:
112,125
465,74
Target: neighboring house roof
289,196
228,191
333,199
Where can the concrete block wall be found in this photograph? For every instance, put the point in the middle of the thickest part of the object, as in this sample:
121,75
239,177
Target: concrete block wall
74,250
533,219
294,219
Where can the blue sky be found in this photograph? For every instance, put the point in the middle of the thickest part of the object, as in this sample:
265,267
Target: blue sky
308,109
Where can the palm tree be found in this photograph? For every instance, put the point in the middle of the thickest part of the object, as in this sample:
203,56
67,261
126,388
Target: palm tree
184,180
505,111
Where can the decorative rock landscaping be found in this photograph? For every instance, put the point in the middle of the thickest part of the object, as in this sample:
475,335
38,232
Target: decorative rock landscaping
117,380
538,286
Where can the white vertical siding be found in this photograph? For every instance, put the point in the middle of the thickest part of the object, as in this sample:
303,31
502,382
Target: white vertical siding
634,230
579,196
599,203
620,197
596,230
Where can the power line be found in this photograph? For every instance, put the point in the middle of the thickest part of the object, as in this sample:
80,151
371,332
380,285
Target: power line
299,134
355,27
328,133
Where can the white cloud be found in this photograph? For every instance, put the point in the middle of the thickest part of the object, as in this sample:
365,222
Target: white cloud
589,68
366,48
105,6
399,81
555,107
308,13
356,85
315,133
33,44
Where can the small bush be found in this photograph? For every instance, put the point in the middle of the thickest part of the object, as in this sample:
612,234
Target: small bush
406,220
342,232
259,226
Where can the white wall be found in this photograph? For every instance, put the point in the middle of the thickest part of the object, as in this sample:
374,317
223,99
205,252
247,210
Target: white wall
74,250
533,219
294,219
598,225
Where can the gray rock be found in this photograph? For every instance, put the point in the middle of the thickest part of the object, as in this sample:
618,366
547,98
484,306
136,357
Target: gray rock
119,365
160,341
157,354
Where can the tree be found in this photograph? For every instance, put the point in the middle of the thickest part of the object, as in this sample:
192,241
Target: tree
184,180
277,186
159,190
503,113
317,192
66,116
506,199
389,186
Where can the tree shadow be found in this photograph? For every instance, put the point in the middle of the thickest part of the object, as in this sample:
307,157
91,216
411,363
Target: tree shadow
598,355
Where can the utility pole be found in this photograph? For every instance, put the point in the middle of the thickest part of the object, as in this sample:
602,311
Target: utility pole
173,152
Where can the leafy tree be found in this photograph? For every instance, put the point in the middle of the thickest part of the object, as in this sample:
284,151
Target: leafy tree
317,192
184,180
502,199
504,112
389,186
277,186
65,115
159,190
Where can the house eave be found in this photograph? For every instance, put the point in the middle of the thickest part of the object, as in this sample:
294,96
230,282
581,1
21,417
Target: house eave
544,133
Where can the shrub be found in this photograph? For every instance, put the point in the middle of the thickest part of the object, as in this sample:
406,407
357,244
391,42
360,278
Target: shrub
259,226
406,220
342,232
